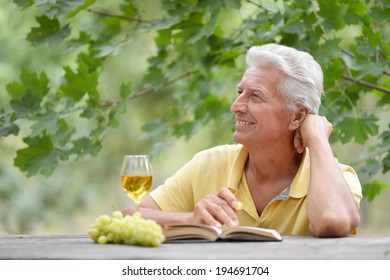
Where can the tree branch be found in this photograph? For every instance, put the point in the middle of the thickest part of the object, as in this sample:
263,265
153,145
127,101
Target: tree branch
349,53
151,89
369,156
111,103
132,19
259,6
366,84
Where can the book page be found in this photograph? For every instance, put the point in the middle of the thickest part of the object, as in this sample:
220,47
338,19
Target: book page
180,231
251,233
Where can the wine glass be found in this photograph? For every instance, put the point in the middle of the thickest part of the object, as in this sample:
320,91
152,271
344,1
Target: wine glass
136,177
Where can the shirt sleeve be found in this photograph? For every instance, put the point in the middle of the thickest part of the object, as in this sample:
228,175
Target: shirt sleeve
206,173
353,182
176,194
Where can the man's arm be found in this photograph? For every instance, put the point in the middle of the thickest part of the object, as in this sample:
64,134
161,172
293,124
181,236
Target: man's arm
216,210
331,207
150,210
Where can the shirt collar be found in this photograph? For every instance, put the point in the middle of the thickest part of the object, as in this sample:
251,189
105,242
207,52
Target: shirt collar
237,169
300,183
298,187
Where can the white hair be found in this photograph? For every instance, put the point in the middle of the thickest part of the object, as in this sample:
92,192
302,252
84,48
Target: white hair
302,82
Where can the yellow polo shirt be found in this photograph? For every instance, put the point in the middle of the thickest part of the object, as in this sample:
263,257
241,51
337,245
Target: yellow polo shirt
223,166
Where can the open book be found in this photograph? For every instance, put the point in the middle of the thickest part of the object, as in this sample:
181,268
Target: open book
210,233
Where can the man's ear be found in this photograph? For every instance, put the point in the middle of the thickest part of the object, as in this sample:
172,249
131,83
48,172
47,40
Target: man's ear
297,118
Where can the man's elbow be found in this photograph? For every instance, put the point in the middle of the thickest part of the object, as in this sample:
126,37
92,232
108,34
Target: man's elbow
334,225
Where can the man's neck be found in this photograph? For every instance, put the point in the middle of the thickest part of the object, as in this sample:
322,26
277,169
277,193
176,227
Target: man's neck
273,163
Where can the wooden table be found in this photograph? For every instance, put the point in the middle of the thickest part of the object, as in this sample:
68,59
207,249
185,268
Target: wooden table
80,247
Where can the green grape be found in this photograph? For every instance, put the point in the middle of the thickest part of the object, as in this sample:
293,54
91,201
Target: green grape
238,206
102,239
117,215
130,230
93,232
110,237
104,219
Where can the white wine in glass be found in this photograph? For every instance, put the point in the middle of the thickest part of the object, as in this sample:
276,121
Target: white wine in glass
136,177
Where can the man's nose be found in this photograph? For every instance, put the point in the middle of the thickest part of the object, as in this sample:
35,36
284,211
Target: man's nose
239,105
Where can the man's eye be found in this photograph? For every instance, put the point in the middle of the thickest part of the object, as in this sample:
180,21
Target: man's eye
256,97
239,91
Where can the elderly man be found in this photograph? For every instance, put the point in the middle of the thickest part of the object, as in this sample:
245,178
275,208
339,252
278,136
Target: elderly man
282,168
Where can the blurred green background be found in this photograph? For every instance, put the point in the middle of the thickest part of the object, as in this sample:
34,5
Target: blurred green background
79,191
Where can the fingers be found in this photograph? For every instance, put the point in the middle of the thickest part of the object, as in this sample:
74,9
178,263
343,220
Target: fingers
217,209
330,127
298,142
228,196
313,129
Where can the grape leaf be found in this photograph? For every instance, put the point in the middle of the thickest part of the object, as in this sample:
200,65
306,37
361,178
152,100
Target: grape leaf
28,105
385,137
39,157
356,13
85,146
374,188
36,85
232,3
7,124
24,3
211,107
332,11
77,84
358,128
45,123
155,129
129,8
76,6
63,134
205,30
125,91
49,31
386,163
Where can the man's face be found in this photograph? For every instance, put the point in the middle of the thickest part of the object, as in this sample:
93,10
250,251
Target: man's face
260,112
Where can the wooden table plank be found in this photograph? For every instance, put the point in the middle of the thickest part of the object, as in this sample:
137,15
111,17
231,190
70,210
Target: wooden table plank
75,247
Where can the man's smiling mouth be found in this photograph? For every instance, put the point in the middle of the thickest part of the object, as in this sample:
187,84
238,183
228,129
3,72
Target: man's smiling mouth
243,123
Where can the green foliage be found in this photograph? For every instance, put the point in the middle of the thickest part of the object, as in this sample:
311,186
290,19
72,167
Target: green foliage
197,59
362,127
373,189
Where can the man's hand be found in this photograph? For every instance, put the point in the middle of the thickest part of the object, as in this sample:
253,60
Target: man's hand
217,209
313,128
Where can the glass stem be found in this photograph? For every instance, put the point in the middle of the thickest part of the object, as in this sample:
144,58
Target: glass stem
136,206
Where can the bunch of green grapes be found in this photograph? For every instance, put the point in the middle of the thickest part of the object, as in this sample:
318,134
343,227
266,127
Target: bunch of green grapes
130,230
